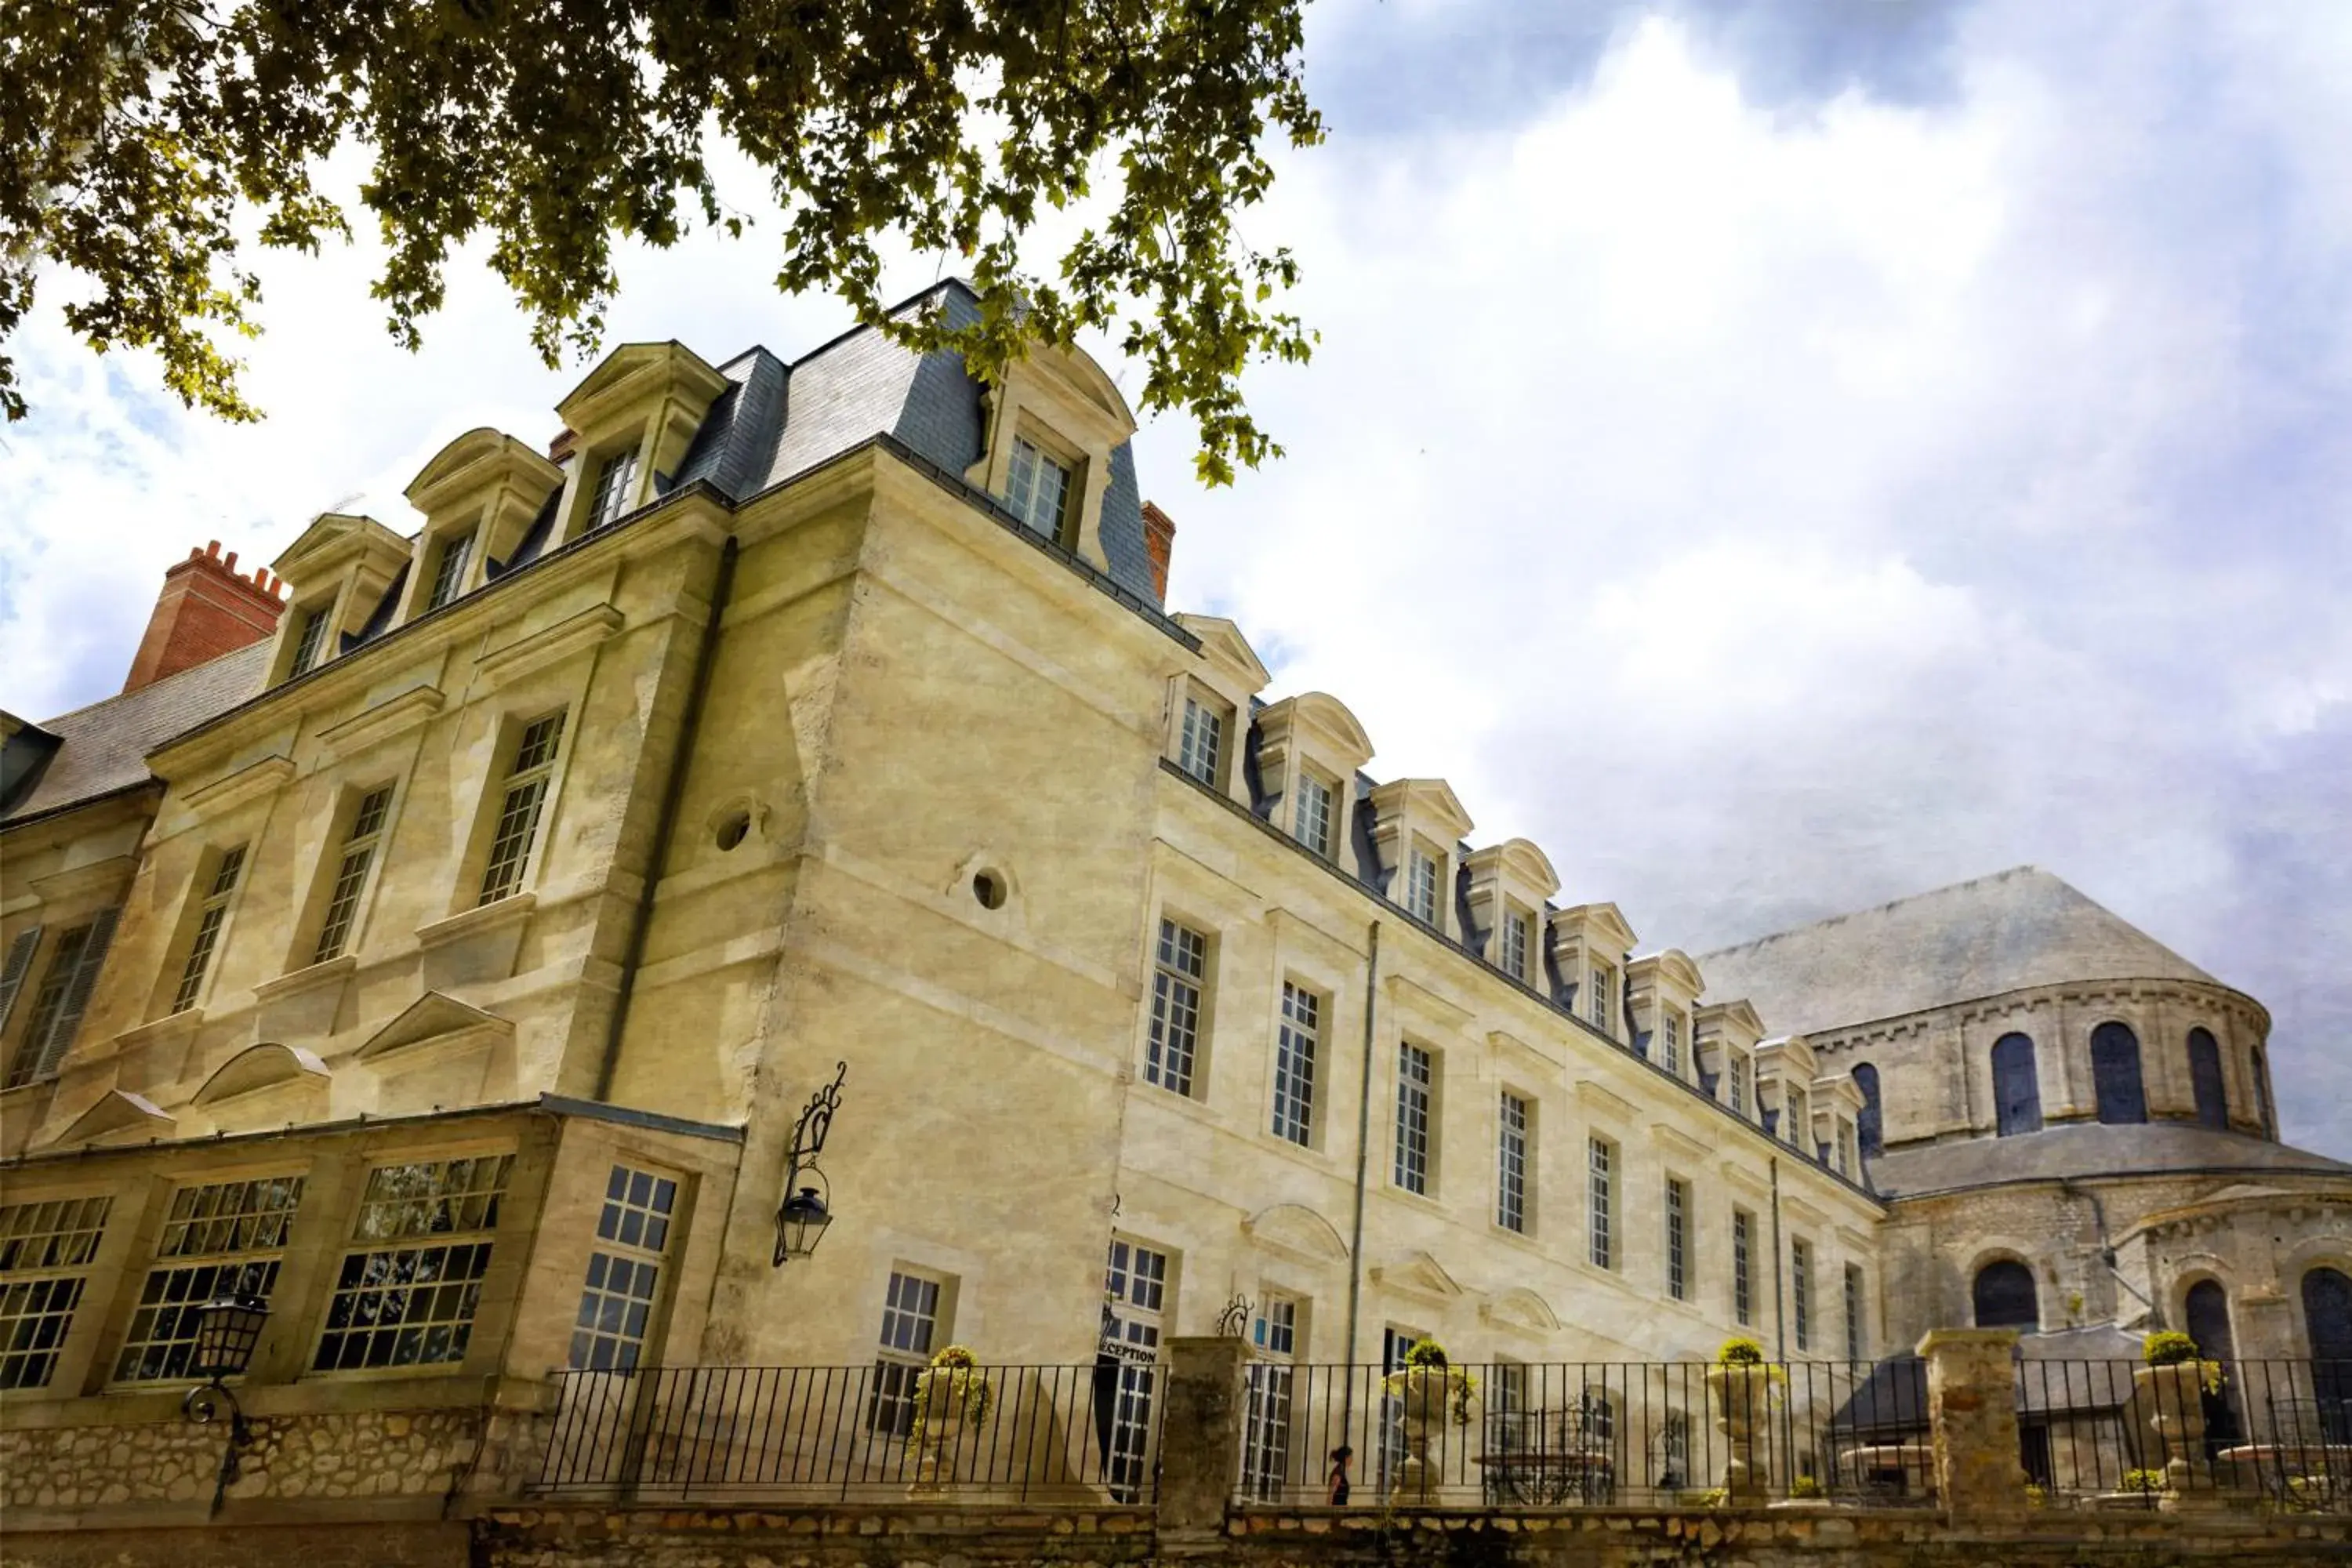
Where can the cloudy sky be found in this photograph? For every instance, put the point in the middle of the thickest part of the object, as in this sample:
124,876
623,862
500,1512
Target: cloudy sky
1779,458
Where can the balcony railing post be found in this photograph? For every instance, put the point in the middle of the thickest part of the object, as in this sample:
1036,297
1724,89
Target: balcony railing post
1201,1435
1972,1416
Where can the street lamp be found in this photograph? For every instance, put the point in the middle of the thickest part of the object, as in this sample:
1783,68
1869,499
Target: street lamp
801,1217
227,1328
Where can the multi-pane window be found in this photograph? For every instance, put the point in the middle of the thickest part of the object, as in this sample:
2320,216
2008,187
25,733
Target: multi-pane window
1511,1163
1416,1077
1515,930
219,1240
1310,820
352,873
1178,966
310,640
1037,488
407,1295
1844,1147
616,1304
1396,1340
526,792
1673,1444
614,482
44,1249
448,569
1799,1116
1670,1042
1800,1292
1266,1433
1599,1158
1294,1064
910,1321
1601,1006
1134,1314
1200,746
1421,887
1735,1082
1677,1239
74,960
1743,1266
1508,1412
1853,1346
207,936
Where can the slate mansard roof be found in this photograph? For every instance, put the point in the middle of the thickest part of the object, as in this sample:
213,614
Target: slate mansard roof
776,421
2018,929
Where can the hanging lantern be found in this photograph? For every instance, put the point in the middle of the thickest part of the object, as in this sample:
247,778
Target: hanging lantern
228,1329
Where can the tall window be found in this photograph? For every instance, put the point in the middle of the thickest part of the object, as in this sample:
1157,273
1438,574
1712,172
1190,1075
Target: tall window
1599,1160
616,1303
13,970
1265,1432
1670,1042
1600,1007
1200,746
1421,887
2004,1297
2115,1074
352,873
1854,1342
1800,1292
310,640
1179,966
448,569
207,936
1871,1127
1677,1239
614,482
2205,1080
1516,928
1735,1082
526,792
1844,1147
1415,1077
1511,1163
1037,488
1796,1116
219,1240
1311,821
2016,1087
1135,1288
75,961
1294,1064
1743,1266
45,1249
407,1293
910,1321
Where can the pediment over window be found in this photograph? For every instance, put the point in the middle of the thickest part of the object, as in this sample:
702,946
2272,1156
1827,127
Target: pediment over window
118,1117
634,375
435,1018
259,1066
1298,1231
1227,652
1519,1307
1418,1274
1324,722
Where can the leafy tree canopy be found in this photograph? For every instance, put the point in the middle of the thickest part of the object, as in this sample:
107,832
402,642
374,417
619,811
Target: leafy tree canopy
134,134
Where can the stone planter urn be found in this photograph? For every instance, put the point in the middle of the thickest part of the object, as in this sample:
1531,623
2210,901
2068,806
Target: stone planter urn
1424,1398
948,1398
1742,1395
2176,1393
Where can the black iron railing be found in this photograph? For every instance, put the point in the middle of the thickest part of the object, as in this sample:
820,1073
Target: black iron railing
1632,1434
1077,1434
2269,1434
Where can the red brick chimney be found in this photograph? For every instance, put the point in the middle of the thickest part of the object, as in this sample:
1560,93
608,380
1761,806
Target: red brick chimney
205,611
1159,539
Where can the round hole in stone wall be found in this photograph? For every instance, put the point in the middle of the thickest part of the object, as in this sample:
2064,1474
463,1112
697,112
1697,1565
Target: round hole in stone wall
731,829
988,886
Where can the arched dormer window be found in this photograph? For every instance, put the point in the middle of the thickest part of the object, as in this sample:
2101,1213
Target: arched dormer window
2205,1078
1868,1122
2004,1297
2115,1075
2016,1087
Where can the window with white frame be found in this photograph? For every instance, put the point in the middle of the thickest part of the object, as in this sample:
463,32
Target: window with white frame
1516,933
45,1249
1266,1431
1135,1315
1673,1449
1735,1082
1037,489
406,1294
1311,818
1670,1042
1844,1147
1743,1266
311,639
1421,887
1795,1117
910,1324
625,1266
617,480
1601,1006
1294,1064
448,569
519,807
1201,742
1396,1340
210,914
74,960
1800,1292
1600,1162
1677,1239
1179,965
1511,1423
1853,1336
1416,1084
360,842
1511,1163
222,1239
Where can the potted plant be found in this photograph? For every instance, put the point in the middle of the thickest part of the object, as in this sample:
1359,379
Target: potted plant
1427,1391
1740,1383
948,1394
2175,1381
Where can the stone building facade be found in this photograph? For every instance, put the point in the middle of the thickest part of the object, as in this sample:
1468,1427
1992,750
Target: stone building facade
451,964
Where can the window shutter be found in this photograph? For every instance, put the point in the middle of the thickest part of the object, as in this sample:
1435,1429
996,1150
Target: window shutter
12,974
78,990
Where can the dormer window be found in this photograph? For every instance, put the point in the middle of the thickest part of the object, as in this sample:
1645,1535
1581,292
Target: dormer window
1311,822
1517,932
616,481
1793,1118
311,639
1420,886
1037,487
449,570
1670,1043
1735,1082
1201,742
1600,1007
